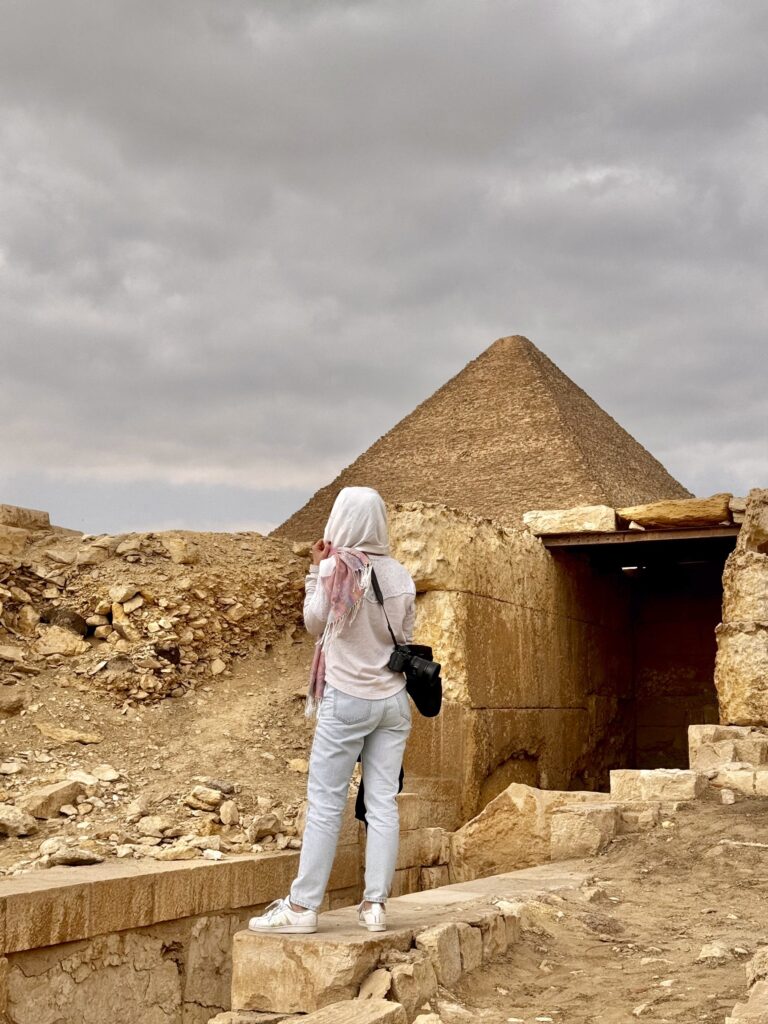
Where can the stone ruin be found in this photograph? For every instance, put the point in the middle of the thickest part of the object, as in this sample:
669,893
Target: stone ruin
604,637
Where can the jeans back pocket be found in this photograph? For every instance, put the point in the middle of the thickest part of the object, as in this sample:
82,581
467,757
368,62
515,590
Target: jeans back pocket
350,710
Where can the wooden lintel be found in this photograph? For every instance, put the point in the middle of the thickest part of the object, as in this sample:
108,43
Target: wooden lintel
588,540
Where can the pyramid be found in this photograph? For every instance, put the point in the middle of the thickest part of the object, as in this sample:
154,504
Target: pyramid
507,434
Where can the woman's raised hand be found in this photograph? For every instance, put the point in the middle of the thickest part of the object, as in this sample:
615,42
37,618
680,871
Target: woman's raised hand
320,550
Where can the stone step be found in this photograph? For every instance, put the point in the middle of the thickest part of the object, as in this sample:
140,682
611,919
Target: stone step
432,937
352,1011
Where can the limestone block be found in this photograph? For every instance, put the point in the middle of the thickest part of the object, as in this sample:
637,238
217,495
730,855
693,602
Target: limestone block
583,830
753,535
679,512
369,1011
638,817
512,832
485,648
740,779
761,782
493,929
470,946
433,877
302,973
745,587
182,550
583,519
406,880
13,541
741,673
706,743
656,784
420,847
47,801
376,985
445,549
512,912
16,822
757,968
57,640
413,984
755,1010
441,944
25,518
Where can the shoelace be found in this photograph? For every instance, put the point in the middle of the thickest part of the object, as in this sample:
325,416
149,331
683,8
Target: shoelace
273,909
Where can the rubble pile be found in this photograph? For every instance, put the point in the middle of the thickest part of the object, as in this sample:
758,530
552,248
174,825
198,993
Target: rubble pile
144,615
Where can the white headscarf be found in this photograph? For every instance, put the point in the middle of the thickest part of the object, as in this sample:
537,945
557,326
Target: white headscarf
358,519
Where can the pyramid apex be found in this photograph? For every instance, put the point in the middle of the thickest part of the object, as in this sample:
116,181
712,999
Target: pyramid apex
510,432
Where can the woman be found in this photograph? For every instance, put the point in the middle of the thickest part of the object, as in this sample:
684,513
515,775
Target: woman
361,704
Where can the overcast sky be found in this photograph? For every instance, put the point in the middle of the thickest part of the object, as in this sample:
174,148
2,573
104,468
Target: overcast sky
239,241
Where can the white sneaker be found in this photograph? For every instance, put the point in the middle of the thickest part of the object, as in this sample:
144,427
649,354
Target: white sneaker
279,917
374,919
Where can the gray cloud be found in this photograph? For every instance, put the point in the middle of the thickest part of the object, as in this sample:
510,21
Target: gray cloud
239,241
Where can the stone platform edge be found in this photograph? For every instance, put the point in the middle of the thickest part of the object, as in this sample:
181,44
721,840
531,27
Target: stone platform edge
68,904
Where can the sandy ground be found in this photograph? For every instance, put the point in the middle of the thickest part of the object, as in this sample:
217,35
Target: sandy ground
627,948
244,727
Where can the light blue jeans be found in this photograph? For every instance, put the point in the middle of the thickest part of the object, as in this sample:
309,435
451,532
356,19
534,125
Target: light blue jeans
346,727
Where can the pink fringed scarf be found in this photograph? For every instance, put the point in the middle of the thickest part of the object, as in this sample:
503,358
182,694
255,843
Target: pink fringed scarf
346,587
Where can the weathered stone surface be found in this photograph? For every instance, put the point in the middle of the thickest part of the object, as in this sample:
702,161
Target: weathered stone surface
74,856
737,779
57,640
741,673
583,519
679,512
656,784
414,984
47,801
441,944
715,746
62,734
583,830
753,535
14,821
470,946
369,1011
448,550
182,550
420,847
301,973
25,518
433,877
13,541
757,968
512,832
11,703
376,985
755,1010
745,587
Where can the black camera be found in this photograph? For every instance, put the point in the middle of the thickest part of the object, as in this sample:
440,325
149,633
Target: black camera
415,660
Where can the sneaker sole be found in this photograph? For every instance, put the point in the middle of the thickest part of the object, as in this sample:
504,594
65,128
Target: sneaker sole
373,927
287,929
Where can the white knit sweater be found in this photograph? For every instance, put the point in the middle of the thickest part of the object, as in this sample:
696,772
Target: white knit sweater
356,659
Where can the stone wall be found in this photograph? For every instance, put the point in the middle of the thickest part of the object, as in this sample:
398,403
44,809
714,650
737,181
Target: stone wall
536,662
133,942
741,671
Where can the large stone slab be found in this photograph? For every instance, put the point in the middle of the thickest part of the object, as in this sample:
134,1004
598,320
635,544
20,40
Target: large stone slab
741,673
25,518
301,973
367,1011
753,535
632,784
13,541
714,746
582,519
679,512
745,587
582,830
513,831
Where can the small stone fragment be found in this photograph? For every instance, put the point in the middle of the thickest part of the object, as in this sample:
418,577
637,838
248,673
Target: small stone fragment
16,822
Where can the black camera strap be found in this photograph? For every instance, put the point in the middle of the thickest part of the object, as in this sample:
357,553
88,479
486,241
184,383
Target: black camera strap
380,599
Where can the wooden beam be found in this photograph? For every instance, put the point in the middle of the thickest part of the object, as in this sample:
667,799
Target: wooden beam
589,540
